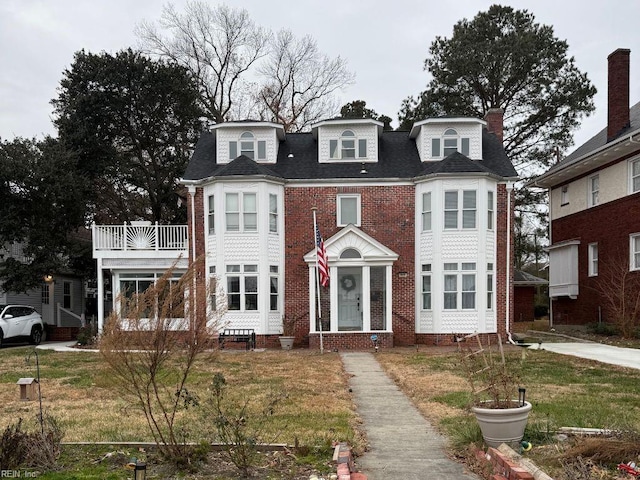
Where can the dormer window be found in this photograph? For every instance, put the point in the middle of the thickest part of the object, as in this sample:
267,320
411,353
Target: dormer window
348,147
249,147
450,143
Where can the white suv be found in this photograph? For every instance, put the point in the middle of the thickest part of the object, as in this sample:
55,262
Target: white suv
20,321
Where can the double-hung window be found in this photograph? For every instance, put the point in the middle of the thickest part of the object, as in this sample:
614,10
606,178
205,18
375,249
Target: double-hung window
212,215
426,286
241,212
248,146
273,213
594,190
348,147
452,210
490,210
593,259
242,287
634,175
426,212
348,209
634,250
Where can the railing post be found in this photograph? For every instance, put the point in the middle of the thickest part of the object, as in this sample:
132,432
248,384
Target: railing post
124,237
157,237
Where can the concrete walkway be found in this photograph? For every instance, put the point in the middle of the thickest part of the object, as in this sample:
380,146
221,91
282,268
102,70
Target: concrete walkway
402,444
624,357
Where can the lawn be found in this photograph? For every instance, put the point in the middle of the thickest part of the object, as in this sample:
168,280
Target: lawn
565,391
79,392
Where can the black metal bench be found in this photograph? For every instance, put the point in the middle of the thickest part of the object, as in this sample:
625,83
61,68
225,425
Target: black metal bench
238,335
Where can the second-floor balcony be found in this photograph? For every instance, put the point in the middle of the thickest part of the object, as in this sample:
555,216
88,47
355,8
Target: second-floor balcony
140,239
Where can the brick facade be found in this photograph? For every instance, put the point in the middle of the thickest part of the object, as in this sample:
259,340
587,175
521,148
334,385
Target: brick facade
609,225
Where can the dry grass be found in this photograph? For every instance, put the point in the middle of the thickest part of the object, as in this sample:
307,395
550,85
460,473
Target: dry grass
77,390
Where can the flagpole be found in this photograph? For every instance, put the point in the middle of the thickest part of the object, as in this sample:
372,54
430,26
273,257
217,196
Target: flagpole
315,242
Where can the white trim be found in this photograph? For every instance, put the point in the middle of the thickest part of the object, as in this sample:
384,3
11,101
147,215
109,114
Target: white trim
343,196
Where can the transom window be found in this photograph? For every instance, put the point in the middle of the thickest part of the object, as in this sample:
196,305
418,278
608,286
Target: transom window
347,147
248,146
348,209
449,143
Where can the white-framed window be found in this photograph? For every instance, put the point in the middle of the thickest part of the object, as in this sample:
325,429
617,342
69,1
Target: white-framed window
134,284
426,286
274,282
248,146
426,211
489,286
449,143
490,210
564,195
459,286
634,175
348,206
634,250
235,203
593,259
212,215
594,190
242,287
347,147
452,211
273,213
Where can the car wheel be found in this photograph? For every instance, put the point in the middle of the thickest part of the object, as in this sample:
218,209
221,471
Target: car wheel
36,336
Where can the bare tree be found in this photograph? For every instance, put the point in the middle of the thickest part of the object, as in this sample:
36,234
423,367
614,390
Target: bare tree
217,44
620,290
243,70
151,344
300,81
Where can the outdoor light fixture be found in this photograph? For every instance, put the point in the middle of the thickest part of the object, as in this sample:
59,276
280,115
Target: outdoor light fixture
521,392
140,471
48,278
290,155
364,170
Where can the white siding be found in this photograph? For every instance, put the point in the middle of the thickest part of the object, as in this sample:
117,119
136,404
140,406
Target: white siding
224,135
333,132
472,131
614,184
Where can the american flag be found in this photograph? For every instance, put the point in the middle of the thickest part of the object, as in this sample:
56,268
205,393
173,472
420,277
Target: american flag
323,264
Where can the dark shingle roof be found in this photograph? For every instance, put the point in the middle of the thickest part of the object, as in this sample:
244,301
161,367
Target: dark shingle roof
397,158
600,139
523,278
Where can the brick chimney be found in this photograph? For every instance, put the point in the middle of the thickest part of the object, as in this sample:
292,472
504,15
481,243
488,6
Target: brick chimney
618,92
494,119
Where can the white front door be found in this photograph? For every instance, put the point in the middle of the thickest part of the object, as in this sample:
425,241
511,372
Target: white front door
350,298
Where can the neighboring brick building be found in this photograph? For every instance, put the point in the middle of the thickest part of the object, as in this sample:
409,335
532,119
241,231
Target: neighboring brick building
415,226
595,209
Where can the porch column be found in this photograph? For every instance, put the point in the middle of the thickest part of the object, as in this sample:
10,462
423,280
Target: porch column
313,298
100,281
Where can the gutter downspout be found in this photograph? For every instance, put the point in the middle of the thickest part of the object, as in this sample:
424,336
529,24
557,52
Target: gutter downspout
508,282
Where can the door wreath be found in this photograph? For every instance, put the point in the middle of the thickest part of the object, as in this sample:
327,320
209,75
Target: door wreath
348,282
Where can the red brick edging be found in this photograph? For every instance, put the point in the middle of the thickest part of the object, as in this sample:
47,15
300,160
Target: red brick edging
345,468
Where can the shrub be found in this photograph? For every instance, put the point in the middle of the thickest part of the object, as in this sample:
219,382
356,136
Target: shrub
601,328
540,311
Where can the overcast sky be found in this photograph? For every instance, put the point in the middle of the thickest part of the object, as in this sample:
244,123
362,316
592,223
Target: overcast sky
384,42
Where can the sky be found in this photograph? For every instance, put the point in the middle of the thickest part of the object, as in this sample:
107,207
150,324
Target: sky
384,43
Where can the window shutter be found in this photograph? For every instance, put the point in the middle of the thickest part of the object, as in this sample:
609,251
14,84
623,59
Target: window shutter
465,147
333,146
362,148
262,150
233,150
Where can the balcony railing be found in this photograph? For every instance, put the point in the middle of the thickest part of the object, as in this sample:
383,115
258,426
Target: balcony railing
139,236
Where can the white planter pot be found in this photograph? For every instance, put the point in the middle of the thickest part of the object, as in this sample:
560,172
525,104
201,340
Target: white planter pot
502,425
286,342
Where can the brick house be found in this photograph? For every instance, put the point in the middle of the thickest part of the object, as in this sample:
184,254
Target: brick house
594,209
415,225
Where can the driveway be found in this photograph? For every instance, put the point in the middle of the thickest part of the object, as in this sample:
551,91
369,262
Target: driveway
624,357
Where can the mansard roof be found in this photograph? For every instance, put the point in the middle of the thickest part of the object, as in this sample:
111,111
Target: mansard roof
398,158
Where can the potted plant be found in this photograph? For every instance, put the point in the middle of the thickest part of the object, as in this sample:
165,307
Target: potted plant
288,332
498,400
